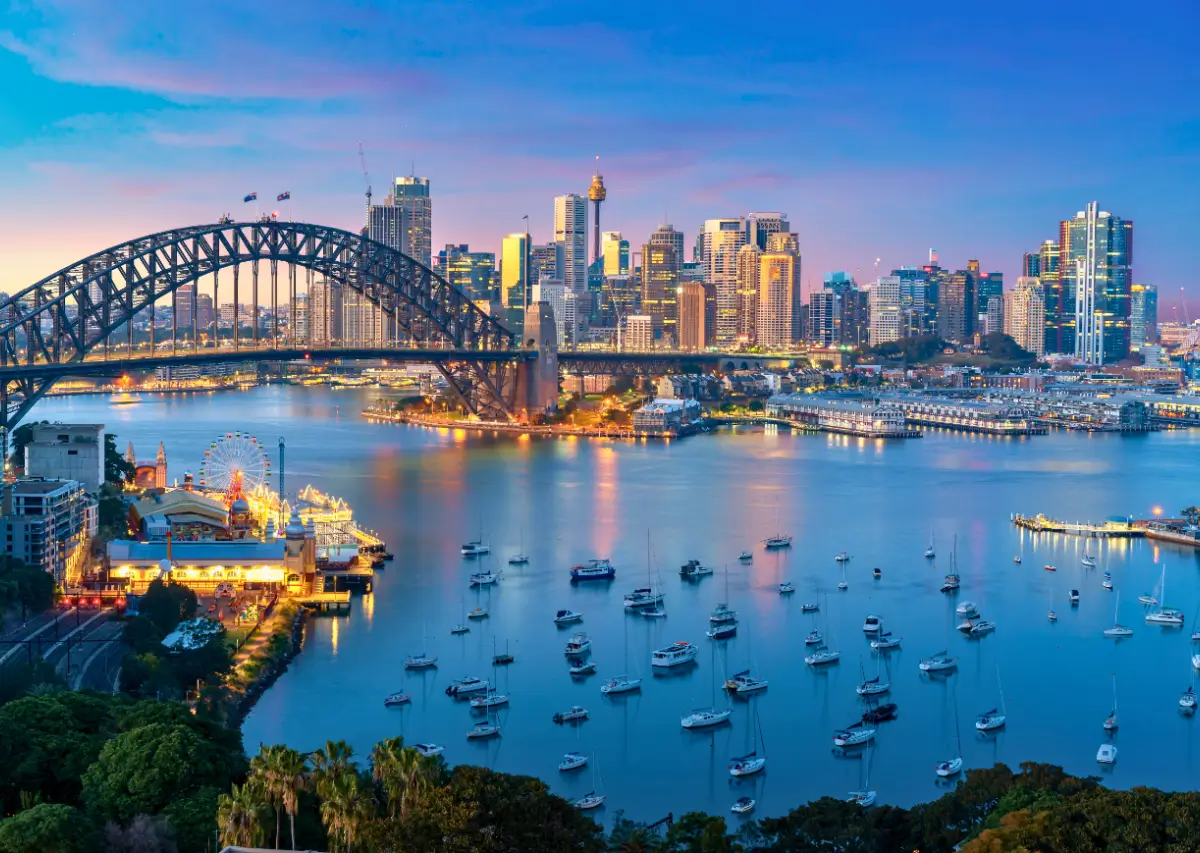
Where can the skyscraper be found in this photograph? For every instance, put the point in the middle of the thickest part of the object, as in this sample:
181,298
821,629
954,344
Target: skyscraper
1143,316
570,232
471,272
1096,264
553,293
1025,315
514,270
615,252
788,243
411,194
660,288
545,261
749,258
822,311
719,242
760,226
776,292
666,234
886,323
1060,331
693,331
988,286
956,307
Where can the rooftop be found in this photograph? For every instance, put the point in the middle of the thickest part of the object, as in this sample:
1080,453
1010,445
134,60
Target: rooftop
29,486
233,551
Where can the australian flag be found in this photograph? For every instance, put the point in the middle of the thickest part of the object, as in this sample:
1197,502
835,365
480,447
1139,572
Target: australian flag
284,196
251,197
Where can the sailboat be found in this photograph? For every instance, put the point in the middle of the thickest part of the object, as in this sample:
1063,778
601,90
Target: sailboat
821,655
520,558
622,683
1110,722
953,580
657,610
702,718
1164,615
422,661
871,686
752,762
501,659
1150,599
646,596
723,618
1117,630
476,547
461,627
842,585
478,611
865,797
485,728
954,766
930,553
993,719
591,799
1087,561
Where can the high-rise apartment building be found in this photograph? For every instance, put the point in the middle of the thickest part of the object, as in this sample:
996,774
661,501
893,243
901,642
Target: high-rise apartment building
760,226
639,333
788,243
1143,316
660,288
666,234
886,322
405,220
988,286
693,315
1096,266
362,322
776,292
1025,315
822,314
1060,321
471,272
546,261
570,232
956,306
719,242
48,523
749,260
614,250
1031,265
325,312
515,270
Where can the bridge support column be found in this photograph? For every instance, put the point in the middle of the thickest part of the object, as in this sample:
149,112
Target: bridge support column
537,380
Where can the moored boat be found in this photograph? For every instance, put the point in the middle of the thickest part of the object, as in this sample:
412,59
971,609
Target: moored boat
566,617
643,597
466,685
744,805
475,548
594,570
400,698
939,662
573,714
572,761
692,570
679,652
773,542
579,644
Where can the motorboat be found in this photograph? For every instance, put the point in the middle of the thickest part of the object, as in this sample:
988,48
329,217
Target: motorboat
1187,700
1106,754
395,699
477,613
587,667
877,573
704,718
745,557
579,644
575,713
594,570
503,658
567,617
939,662
491,699
643,597
966,626
475,548
483,730
822,656
421,661
990,720
460,629
809,607
1051,616
486,578
744,682
1087,561
1107,583
518,560
429,750
1148,600
842,558
676,654
722,613
621,684
843,586
886,640
953,767
774,542
983,626
691,570
880,713
744,805
854,734
967,609
873,687
872,624
787,588
657,612
591,800
573,761
1195,661
813,638
1050,568
465,686
1016,559
723,631
1074,597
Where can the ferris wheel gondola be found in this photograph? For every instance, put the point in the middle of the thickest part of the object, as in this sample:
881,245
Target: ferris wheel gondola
235,463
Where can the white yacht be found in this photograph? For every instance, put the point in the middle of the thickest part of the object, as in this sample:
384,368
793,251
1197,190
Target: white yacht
644,597
983,626
421,661
967,609
475,548
567,617
466,685
1106,754
949,768
592,800
722,632
477,613
583,667
872,624
400,698
773,542
939,662
1167,616
594,570
995,718
873,687
747,765
1107,582
965,626
573,714
491,699
518,560
483,730
572,761
744,682
822,656
810,607
1187,700
621,684
745,557
951,582
814,638
429,750
885,641
1195,661
579,644
842,558
485,578
854,734
677,653
787,588
705,717
1117,630
1148,600
930,553
1087,561
866,799
744,805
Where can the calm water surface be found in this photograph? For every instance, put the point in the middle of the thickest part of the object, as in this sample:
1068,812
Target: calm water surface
710,497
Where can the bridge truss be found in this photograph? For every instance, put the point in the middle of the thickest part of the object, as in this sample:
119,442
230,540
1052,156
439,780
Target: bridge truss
83,317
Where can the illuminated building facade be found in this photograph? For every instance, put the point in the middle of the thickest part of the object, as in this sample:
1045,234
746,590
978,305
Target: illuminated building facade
570,232
693,315
1025,315
515,270
660,288
886,318
776,294
1143,316
1096,264
719,243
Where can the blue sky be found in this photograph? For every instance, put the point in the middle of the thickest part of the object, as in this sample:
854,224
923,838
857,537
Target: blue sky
882,129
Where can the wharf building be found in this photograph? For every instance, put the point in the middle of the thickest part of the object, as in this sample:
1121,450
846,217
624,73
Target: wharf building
867,419
993,418
667,416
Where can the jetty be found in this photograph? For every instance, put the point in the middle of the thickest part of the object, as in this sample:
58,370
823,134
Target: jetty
1114,527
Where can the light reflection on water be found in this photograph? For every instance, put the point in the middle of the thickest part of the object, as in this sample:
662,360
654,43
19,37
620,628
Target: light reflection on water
709,497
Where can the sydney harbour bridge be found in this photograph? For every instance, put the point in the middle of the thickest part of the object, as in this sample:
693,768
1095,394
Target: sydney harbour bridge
81,319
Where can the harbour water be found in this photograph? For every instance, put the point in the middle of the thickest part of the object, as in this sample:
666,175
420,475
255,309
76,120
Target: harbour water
710,497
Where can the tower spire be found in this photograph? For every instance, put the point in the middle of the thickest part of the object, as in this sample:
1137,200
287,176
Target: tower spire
597,194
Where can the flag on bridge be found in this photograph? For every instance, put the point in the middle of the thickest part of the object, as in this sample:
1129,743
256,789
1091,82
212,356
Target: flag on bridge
284,196
251,197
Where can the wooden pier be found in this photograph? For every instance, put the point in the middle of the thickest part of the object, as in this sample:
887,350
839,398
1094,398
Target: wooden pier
326,602
1112,528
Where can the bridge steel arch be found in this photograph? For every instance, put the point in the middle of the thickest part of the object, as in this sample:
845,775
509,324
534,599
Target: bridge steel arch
80,313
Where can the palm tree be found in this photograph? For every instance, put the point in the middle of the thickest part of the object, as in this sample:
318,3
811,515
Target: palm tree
238,817
330,763
345,809
281,774
404,774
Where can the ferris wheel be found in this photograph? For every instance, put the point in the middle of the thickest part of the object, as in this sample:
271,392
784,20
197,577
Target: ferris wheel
234,463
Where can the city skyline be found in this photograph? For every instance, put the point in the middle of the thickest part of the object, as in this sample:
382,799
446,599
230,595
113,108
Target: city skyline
869,155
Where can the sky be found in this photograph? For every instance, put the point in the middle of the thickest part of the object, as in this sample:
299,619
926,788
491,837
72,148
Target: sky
881,129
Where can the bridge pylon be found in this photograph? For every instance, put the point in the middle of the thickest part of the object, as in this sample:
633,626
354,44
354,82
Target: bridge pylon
537,379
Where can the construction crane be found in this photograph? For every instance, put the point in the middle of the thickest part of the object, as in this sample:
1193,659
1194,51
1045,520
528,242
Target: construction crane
362,159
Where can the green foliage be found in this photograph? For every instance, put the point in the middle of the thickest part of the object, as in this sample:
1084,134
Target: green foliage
143,770
116,468
46,828
167,604
22,678
194,819
1003,348
112,514
27,587
911,350
17,440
